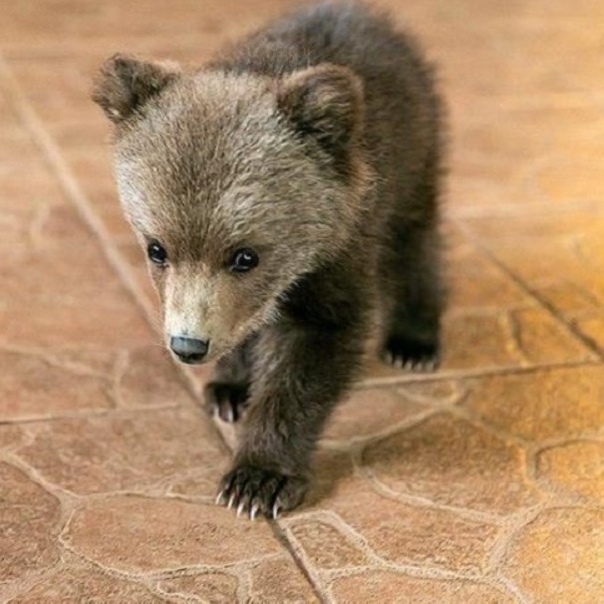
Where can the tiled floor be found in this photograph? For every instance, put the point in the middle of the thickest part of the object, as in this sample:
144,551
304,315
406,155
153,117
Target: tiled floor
482,483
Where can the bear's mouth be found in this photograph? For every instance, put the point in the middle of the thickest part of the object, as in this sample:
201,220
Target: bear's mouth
192,359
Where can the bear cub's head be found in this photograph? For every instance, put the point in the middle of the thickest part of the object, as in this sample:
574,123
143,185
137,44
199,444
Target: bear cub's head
237,185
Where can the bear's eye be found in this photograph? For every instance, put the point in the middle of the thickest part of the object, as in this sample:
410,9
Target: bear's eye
157,253
244,260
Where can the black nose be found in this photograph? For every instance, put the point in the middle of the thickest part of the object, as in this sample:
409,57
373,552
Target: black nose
189,350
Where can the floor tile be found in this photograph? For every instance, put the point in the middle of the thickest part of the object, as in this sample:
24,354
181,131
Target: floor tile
388,586
454,463
129,451
30,521
572,540
66,584
575,467
103,531
558,404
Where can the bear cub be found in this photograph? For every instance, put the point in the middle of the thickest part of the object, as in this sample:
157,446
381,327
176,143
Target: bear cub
283,193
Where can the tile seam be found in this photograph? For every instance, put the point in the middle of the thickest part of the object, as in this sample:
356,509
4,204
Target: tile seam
590,345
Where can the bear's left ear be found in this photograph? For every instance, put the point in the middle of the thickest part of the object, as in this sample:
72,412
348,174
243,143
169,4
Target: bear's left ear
125,84
325,102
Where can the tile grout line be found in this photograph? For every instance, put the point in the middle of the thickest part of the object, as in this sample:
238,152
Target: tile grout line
78,199
469,374
281,536
518,210
115,412
70,186
592,346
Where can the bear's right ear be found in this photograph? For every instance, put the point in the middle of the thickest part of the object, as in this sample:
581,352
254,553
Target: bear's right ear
125,84
326,102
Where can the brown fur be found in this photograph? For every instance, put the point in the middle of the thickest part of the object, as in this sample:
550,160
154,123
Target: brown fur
316,143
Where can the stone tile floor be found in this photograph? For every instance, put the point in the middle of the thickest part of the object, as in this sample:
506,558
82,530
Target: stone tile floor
482,483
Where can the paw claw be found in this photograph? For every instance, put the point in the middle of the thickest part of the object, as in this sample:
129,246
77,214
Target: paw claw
428,366
220,498
411,354
256,490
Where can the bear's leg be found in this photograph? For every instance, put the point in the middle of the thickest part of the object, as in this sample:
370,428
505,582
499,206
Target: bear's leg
413,290
228,393
300,373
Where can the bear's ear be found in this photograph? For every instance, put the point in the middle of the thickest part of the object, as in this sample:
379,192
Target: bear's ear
125,84
326,102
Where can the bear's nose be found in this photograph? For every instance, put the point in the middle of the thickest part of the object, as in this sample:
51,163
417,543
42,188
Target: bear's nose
189,350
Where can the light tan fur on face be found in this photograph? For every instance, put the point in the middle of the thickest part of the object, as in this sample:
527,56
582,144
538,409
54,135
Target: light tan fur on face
188,296
197,304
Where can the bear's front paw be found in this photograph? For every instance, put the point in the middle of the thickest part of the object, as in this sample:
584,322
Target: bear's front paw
253,490
410,353
227,400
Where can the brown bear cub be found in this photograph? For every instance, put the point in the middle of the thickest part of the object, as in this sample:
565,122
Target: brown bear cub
281,193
